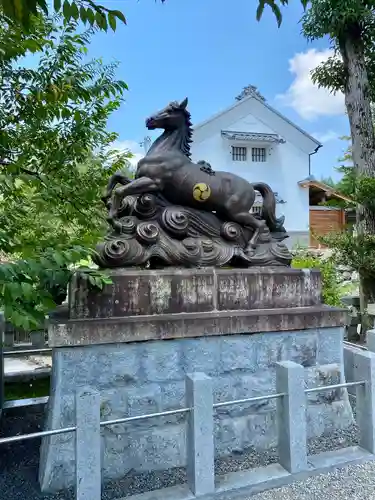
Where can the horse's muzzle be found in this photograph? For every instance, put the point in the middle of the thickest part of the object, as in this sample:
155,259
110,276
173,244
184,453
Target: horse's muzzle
150,123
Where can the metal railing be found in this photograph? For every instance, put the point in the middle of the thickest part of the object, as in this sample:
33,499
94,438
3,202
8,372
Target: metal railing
249,400
27,352
357,346
291,404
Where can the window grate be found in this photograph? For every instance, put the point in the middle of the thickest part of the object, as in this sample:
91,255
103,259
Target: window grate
258,154
239,153
257,210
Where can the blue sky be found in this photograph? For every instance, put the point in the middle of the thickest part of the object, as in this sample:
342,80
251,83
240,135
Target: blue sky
209,50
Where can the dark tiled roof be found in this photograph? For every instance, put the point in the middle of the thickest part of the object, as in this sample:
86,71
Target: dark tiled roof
252,136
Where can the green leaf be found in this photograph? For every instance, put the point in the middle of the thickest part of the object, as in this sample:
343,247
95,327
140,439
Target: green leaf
83,14
112,21
27,290
276,10
57,5
74,12
59,259
90,16
14,289
48,303
65,113
12,9
107,280
43,5
99,283
91,280
77,115
119,15
66,10
260,10
101,21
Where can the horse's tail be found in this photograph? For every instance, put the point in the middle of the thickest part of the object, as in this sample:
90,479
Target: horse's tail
269,207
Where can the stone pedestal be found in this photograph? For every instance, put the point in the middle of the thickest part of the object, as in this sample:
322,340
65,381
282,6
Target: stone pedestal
135,341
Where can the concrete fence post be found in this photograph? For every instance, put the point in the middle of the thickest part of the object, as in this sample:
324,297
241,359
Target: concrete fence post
8,335
38,339
291,416
349,367
370,340
88,446
200,434
364,369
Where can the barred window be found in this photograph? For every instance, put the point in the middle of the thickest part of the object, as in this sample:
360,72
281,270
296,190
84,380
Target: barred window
239,153
256,210
258,154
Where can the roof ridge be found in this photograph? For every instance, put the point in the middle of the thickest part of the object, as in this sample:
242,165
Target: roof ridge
271,108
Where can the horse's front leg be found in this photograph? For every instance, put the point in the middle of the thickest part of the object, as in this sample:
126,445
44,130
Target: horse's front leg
117,178
137,186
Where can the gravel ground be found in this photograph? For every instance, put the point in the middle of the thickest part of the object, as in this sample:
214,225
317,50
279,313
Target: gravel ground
19,470
356,482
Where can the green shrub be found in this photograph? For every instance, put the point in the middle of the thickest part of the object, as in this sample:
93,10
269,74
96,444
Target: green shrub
330,284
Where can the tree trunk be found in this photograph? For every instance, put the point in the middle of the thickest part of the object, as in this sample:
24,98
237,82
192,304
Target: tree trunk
357,101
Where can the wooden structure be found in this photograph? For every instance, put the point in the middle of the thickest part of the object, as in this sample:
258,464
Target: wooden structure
325,219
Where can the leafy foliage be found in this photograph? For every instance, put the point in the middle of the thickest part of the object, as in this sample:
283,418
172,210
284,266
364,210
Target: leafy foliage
355,251
332,18
96,15
88,12
31,288
55,157
352,185
275,7
330,284
328,181
347,185
331,74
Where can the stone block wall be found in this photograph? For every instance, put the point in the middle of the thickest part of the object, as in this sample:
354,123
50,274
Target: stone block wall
147,377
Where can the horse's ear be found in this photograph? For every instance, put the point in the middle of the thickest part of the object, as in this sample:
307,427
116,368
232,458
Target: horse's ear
184,103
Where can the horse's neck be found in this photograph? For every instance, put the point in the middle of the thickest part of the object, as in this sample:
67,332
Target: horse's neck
169,140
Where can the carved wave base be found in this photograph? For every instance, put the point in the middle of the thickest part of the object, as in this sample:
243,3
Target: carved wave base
151,232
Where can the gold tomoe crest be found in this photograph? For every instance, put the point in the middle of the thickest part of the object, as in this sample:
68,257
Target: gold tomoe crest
201,192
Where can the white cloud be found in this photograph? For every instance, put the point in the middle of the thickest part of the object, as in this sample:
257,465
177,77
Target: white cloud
134,147
303,96
329,135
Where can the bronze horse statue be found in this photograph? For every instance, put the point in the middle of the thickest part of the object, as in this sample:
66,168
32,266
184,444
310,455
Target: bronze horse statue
167,169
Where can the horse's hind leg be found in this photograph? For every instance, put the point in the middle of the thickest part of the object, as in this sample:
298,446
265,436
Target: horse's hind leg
248,220
237,208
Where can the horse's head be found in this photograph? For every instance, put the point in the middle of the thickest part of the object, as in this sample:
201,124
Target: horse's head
172,117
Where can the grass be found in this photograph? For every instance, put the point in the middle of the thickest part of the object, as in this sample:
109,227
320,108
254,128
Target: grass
22,390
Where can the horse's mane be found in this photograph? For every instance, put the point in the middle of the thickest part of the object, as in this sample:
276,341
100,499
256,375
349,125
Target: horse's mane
187,140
